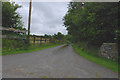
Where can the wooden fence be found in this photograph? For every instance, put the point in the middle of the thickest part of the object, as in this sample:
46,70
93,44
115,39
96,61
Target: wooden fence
40,40
32,39
19,35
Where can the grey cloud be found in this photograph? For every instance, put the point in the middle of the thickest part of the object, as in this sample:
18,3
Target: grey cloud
46,17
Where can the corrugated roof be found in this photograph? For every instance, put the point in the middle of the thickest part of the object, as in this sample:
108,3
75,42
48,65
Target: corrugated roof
12,29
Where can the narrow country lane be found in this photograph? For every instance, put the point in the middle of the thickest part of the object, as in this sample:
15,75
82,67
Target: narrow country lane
56,62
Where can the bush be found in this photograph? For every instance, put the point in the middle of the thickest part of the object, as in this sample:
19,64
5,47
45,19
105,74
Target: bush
12,44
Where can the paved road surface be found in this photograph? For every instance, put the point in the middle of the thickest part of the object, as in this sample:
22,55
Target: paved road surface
56,62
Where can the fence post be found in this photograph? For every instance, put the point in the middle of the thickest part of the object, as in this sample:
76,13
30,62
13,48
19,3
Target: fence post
45,40
34,40
40,40
50,40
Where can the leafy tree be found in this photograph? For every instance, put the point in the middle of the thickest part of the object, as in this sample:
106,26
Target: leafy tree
59,36
10,16
92,22
47,36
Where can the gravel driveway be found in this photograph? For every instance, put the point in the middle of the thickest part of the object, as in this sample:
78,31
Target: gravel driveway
56,62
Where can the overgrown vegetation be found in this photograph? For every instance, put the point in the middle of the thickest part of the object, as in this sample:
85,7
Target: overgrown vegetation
13,45
19,46
91,55
93,22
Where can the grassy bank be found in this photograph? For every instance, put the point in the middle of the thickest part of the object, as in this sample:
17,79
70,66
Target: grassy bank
96,59
30,48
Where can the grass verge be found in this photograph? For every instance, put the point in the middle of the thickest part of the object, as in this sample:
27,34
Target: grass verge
112,65
31,48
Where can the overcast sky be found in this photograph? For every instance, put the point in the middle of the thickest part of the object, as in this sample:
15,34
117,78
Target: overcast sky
46,17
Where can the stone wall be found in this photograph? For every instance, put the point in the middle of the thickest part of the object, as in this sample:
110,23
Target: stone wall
109,51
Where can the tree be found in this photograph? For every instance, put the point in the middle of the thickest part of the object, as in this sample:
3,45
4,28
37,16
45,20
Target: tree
92,22
47,36
10,16
59,36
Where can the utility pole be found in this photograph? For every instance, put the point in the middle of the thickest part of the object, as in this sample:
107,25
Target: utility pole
29,18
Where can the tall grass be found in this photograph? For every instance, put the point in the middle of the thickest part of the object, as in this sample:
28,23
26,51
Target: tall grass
19,46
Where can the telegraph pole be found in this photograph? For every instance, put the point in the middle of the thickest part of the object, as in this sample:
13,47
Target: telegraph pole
29,21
